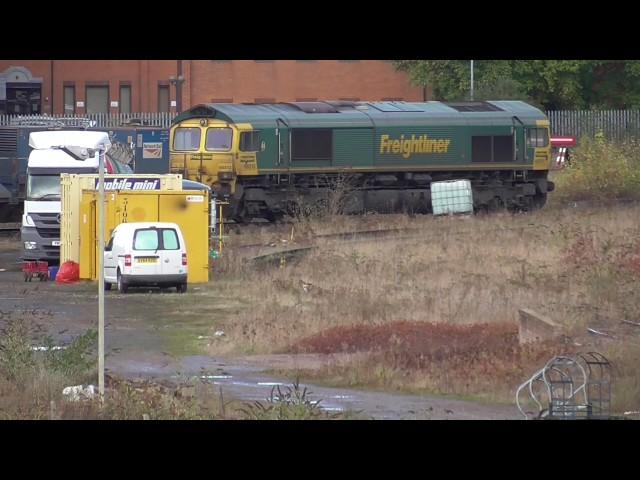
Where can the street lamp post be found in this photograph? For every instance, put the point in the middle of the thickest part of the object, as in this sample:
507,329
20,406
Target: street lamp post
82,153
101,151
471,80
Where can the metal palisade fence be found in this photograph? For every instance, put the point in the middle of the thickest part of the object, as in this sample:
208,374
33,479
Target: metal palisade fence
614,124
99,120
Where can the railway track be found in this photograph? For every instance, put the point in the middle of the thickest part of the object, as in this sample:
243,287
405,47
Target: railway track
272,253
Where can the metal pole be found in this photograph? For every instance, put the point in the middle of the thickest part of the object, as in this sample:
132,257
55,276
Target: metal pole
179,87
472,80
101,273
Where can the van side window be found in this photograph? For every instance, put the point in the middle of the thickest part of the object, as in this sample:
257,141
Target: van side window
170,239
146,239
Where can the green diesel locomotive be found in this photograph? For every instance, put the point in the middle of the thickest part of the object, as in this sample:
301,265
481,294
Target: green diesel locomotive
270,158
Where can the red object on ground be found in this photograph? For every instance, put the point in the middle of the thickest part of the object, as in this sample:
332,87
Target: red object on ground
35,269
69,272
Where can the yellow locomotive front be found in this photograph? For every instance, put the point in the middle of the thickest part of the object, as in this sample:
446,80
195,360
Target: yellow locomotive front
204,150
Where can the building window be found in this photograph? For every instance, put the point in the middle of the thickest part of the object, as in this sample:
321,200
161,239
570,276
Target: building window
306,99
97,99
163,98
69,100
222,100
125,98
311,144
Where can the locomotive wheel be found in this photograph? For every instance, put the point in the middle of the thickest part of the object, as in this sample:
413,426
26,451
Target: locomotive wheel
539,201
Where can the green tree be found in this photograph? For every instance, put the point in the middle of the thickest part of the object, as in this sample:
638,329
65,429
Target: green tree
549,84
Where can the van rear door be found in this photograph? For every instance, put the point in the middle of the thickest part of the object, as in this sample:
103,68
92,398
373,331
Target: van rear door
171,253
146,254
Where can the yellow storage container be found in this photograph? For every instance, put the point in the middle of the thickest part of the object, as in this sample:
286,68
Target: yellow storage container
71,196
188,209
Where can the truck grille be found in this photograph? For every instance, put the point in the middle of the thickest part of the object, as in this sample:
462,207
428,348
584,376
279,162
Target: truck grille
47,224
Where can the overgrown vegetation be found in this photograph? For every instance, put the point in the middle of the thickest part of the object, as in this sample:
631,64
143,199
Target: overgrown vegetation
33,378
577,265
601,170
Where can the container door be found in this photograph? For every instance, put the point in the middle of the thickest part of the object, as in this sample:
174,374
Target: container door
190,211
137,207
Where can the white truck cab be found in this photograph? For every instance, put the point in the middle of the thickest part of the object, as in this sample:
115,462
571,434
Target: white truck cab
40,232
146,254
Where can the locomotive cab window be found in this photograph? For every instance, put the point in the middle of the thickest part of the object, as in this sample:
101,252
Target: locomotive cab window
186,139
219,139
537,137
311,144
250,141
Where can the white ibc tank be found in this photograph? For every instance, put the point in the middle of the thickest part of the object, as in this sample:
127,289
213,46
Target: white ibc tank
452,196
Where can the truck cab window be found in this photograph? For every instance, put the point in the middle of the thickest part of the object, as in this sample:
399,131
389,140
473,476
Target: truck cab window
43,187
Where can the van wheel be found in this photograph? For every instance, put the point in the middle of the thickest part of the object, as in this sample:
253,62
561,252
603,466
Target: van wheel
122,286
181,288
107,286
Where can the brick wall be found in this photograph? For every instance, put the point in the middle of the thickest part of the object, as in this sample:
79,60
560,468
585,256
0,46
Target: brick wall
211,80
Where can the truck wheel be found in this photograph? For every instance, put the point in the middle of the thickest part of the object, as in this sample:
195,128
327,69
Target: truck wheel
122,286
107,286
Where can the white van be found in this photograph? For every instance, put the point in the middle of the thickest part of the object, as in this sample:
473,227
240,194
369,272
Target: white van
145,254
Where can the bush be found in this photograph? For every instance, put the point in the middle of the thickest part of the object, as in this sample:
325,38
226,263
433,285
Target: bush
16,354
601,170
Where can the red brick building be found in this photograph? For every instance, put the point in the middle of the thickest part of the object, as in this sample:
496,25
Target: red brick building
92,86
